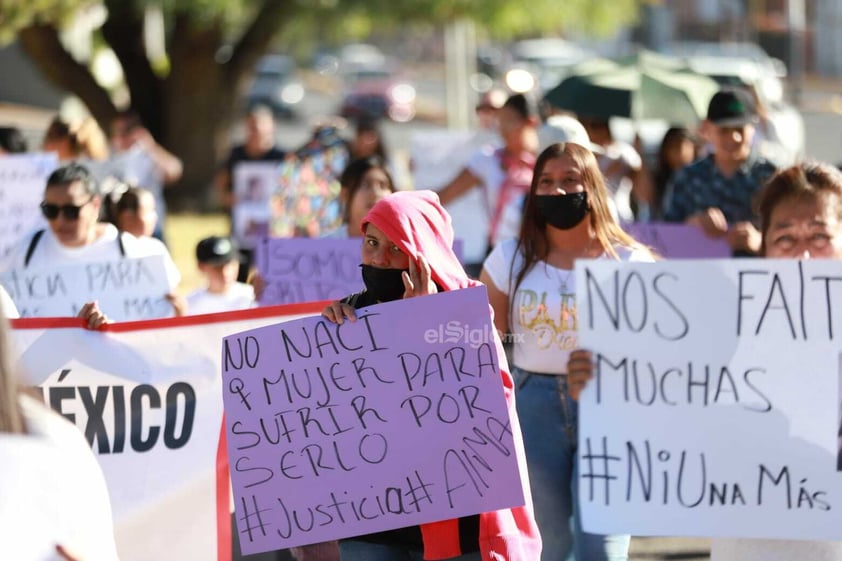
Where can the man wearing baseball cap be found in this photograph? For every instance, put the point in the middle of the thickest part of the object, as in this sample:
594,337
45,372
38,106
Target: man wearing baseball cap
716,193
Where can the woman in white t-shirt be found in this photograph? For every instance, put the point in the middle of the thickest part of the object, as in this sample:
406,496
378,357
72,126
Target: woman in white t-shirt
503,174
531,287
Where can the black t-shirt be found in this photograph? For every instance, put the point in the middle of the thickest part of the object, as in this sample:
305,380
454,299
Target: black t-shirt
410,537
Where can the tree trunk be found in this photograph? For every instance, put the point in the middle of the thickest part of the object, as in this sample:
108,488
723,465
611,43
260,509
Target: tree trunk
202,97
198,110
191,112
124,33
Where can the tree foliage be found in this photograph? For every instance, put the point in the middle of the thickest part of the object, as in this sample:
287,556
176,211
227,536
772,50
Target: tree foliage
190,101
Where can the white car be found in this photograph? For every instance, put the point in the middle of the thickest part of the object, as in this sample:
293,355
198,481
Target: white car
542,63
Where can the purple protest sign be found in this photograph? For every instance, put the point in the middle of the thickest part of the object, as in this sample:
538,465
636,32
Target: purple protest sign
678,241
396,419
309,269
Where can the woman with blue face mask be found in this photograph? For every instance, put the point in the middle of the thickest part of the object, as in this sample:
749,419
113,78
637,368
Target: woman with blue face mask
531,287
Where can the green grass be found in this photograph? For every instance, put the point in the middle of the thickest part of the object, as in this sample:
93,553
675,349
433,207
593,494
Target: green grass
183,233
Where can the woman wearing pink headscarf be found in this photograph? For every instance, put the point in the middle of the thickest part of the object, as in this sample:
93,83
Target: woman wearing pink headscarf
408,252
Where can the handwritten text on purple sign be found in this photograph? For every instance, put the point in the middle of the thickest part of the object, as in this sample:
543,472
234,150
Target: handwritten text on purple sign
308,270
342,430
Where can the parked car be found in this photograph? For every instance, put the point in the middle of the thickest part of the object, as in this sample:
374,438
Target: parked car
350,58
376,93
542,63
277,86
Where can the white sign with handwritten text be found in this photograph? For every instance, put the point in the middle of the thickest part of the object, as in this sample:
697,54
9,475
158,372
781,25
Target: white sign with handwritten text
22,181
715,406
126,289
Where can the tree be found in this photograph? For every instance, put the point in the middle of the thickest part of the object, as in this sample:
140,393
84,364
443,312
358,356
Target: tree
189,102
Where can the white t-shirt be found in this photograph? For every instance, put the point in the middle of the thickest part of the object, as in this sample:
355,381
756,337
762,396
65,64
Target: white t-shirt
543,317
136,166
617,162
93,529
723,549
472,211
49,252
485,164
239,296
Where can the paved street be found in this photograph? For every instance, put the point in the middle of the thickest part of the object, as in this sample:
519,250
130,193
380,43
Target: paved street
656,549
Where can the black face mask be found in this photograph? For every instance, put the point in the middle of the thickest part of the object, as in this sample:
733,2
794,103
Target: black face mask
563,211
385,285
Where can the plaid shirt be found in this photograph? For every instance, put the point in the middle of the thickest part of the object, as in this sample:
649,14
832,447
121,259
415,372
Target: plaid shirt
701,185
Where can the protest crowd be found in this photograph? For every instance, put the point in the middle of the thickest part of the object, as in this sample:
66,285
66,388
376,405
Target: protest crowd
156,378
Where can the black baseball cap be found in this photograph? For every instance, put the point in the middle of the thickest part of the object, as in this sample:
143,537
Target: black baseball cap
732,108
216,250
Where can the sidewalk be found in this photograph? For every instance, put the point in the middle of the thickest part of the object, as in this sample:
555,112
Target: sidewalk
662,549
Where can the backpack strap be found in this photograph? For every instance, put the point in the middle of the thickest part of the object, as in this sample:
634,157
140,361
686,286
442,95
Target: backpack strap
33,243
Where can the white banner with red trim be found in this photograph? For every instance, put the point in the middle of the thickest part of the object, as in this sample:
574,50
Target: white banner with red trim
148,397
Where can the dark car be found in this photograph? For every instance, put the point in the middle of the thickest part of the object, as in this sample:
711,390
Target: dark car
277,86
377,93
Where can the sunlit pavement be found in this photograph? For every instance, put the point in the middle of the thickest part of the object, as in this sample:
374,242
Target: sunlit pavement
658,549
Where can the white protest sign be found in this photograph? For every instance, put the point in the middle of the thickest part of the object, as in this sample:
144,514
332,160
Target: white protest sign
438,156
22,181
715,405
148,398
39,506
386,422
126,289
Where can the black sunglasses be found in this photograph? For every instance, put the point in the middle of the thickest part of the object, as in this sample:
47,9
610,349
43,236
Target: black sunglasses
70,212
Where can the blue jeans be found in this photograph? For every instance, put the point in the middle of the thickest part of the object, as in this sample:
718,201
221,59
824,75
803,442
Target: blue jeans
548,418
359,550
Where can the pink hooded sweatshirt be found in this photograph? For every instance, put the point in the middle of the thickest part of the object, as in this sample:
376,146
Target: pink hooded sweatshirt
416,223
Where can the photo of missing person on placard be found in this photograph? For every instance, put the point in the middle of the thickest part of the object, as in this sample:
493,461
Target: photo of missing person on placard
254,182
254,185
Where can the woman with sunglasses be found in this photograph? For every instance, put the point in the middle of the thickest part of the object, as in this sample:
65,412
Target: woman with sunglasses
75,235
